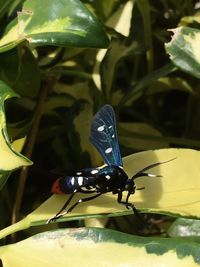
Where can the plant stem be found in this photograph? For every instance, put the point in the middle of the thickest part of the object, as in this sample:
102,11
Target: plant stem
28,151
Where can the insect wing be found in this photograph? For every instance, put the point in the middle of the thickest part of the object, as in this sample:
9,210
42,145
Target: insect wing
104,137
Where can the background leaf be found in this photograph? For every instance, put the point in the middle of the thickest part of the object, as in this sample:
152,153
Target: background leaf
184,50
61,23
10,159
99,247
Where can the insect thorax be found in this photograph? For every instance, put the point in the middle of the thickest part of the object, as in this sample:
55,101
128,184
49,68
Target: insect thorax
110,179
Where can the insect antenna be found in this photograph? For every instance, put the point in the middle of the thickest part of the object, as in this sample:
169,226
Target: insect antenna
144,173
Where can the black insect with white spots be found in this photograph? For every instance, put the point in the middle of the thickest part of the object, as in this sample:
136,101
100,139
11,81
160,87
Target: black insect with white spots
109,178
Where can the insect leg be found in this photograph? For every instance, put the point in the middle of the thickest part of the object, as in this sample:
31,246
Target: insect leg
63,207
130,205
126,203
83,200
76,203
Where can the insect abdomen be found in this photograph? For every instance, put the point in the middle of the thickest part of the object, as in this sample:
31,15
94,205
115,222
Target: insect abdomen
67,184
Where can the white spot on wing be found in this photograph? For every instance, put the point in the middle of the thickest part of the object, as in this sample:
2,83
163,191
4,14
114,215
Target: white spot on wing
72,181
80,180
110,127
113,136
94,171
108,177
78,173
108,150
101,128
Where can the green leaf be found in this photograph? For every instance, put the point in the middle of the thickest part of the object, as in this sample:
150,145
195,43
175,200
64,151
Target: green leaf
170,83
57,101
75,91
175,193
4,6
10,158
138,89
28,79
186,21
184,50
17,145
19,69
99,247
140,136
103,8
185,227
60,23
107,62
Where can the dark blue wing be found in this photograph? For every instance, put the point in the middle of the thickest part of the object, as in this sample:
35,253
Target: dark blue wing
104,137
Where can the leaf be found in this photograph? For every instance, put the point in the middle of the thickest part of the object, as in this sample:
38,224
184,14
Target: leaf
57,101
17,145
99,247
28,76
4,5
82,124
60,23
176,193
186,21
184,50
75,91
184,227
138,89
10,158
140,136
19,69
96,71
169,83
121,19
103,8
104,72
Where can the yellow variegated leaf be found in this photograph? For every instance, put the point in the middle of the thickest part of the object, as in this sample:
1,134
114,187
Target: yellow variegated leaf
99,247
10,159
176,193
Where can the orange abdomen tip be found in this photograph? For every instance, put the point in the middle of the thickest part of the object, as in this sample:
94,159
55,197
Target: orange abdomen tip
55,189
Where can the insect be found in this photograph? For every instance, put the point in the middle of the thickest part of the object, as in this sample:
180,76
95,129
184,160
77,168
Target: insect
109,178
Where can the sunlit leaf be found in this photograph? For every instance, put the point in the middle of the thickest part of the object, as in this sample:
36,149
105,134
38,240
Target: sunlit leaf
61,23
82,124
121,19
169,83
10,159
96,71
186,21
184,50
99,247
175,193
